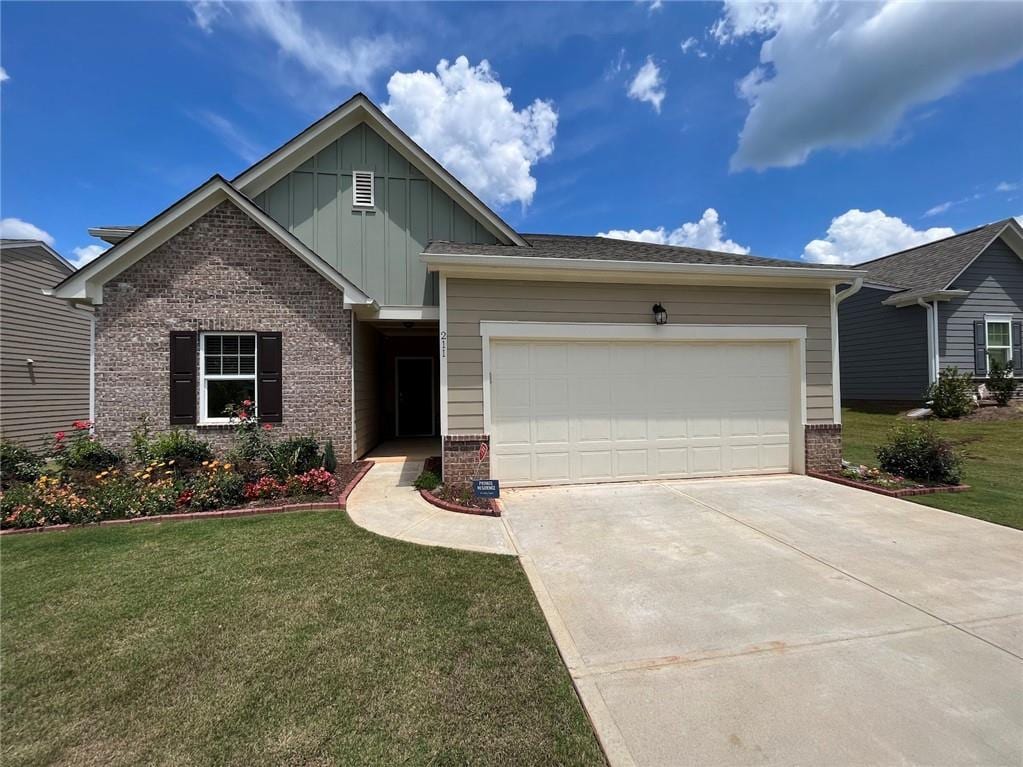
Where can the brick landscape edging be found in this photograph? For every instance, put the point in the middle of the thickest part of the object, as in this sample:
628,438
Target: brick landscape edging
898,493
341,503
493,511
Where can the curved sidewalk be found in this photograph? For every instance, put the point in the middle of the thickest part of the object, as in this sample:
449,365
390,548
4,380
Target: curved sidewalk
385,503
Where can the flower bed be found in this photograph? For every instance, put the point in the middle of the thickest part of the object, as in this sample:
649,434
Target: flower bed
171,475
459,498
877,481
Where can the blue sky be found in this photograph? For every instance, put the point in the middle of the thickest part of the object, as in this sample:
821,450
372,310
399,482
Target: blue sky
814,131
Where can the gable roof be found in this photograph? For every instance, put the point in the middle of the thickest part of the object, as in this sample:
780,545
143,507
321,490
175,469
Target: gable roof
86,285
264,173
934,266
37,246
592,248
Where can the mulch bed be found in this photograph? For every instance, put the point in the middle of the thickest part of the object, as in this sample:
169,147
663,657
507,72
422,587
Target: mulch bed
891,492
993,413
349,475
463,503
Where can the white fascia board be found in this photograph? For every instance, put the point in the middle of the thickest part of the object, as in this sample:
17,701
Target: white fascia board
111,235
359,109
408,313
937,295
608,331
446,261
86,285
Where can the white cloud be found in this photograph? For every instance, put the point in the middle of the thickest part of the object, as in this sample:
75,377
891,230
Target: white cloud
206,12
351,63
1007,186
692,44
648,85
857,236
464,117
4,77
655,5
940,208
229,133
842,75
708,234
16,229
86,253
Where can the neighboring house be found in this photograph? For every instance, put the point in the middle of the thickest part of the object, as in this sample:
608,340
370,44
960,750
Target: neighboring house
44,346
356,290
953,302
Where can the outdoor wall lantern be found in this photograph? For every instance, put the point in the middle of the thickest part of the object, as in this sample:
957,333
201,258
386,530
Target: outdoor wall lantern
660,315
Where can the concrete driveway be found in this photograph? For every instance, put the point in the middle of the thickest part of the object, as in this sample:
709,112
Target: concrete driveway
783,620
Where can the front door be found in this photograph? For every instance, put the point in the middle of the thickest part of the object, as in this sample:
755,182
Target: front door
414,411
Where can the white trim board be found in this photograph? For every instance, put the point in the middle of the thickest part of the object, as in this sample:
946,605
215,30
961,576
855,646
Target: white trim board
795,335
442,338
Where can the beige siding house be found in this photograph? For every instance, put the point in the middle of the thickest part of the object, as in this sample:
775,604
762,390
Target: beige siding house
44,346
535,359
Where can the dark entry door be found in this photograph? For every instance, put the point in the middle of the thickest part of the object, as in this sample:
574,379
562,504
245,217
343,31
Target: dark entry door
415,393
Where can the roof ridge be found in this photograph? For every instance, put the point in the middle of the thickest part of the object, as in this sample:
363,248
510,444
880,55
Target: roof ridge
935,242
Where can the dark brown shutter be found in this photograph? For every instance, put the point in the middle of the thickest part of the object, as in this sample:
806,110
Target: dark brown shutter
979,348
1017,348
183,384
269,394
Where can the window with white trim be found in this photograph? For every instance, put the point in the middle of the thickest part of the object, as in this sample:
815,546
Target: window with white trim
227,373
362,189
998,338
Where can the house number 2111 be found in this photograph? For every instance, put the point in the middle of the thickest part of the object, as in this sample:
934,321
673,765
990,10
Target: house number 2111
444,344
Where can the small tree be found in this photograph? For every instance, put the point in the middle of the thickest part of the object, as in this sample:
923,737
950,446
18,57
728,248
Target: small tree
1000,381
951,395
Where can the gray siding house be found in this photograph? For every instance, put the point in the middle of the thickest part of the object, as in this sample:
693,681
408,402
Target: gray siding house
44,346
954,302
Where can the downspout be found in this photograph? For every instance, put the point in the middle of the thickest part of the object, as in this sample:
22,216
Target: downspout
836,371
932,339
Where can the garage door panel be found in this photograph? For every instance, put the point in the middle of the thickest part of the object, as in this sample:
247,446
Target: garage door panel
594,411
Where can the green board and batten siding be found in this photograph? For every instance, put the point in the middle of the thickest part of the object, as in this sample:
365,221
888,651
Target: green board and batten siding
376,249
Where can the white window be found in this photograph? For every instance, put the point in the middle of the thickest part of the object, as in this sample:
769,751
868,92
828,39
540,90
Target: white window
227,367
998,338
362,188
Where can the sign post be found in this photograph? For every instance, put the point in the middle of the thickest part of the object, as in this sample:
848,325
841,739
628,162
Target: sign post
484,488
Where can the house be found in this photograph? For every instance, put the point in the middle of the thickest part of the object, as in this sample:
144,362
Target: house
355,289
44,346
952,302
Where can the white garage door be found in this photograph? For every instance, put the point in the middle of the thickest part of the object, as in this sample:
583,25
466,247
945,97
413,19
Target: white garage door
565,412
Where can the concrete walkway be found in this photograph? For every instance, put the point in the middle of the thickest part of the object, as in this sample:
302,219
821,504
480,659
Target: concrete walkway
779,621
385,502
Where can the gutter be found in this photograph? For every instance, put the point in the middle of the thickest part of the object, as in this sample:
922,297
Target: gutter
838,297
932,339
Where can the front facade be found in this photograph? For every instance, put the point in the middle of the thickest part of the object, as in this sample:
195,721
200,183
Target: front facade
353,290
956,303
44,347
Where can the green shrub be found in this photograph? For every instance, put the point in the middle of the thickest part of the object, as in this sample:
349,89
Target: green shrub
1000,381
294,456
18,464
181,447
329,459
915,451
216,487
427,480
951,395
87,453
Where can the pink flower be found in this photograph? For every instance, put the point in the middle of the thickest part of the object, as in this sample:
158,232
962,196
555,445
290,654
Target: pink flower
267,426
59,436
247,403
243,415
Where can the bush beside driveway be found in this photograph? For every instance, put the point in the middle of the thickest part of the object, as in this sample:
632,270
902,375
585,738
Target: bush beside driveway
291,639
992,442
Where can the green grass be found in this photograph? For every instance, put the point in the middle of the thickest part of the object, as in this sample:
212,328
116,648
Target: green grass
290,639
993,466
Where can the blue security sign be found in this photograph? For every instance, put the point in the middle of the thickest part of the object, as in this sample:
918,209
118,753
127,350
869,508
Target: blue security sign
486,488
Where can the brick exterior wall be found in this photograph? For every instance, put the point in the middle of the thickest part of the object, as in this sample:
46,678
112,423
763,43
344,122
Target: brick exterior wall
223,272
461,455
823,446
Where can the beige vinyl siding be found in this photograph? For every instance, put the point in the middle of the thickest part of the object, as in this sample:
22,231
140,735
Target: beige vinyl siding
471,301
367,388
48,396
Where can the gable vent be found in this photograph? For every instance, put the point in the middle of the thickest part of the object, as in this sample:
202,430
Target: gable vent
362,188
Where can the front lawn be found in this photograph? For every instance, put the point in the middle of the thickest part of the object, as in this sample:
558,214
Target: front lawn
286,639
993,466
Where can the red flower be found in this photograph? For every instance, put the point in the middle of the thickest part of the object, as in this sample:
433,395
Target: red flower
243,415
81,425
247,403
267,426
59,436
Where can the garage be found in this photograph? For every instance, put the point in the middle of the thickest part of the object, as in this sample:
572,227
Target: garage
575,411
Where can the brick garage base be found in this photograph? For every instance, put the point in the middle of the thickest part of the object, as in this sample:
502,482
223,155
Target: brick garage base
823,447
462,458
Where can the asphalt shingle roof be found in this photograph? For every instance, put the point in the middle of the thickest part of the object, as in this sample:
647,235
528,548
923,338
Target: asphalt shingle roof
607,249
931,267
